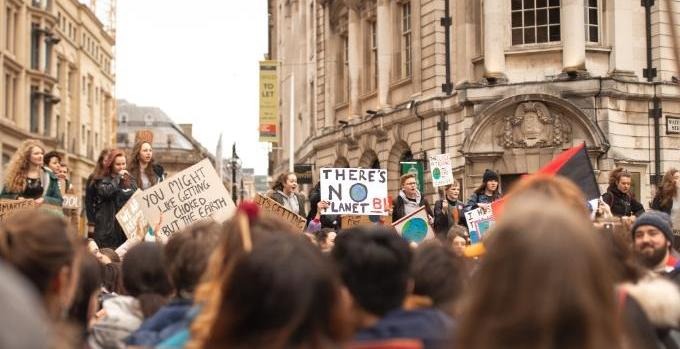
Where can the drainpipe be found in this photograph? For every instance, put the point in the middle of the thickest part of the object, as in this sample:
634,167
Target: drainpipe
650,74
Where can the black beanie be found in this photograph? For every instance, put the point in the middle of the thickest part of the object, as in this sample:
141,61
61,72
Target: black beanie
489,176
657,219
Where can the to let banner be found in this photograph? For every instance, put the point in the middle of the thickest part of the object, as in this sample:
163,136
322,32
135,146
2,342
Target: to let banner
269,101
355,191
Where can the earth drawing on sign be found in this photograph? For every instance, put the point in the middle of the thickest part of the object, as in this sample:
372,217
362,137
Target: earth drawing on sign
436,173
415,230
358,192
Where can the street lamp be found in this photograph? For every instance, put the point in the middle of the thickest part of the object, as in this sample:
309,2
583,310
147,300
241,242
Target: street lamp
234,162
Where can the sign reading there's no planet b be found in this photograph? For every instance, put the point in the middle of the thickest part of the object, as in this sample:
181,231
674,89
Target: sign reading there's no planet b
191,195
441,170
355,191
415,227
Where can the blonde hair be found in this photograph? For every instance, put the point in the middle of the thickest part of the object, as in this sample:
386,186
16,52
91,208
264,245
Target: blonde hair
17,169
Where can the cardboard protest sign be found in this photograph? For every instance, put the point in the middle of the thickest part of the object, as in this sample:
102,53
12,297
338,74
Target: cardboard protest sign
188,196
415,227
9,207
351,221
479,222
270,205
355,191
441,170
71,201
130,216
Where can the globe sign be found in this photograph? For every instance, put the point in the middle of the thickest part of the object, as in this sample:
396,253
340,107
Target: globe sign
415,230
436,173
358,192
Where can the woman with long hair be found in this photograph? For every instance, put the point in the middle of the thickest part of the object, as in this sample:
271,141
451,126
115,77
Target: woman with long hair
26,178
619,196
143,168
113,186
285,193
667,198
487,192
91,199
546,273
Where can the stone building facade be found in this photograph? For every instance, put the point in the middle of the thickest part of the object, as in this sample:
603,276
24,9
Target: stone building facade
532,78
56,81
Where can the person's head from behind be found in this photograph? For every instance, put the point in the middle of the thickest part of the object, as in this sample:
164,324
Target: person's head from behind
652,239
283,294
187,254
457,238
374,264
437,273
145,278
112,278
325,239
621,179
89,285
546,273
108,255
40,246
553,189
409,184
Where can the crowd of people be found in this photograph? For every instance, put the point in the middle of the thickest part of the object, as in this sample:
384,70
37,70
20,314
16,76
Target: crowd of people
550,276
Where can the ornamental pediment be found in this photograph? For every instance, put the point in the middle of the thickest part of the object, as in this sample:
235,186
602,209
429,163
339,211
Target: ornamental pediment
533,125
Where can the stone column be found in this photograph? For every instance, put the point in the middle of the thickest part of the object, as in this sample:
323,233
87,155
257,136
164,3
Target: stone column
329,72
573,36
384,24
494,39
354,43
622,33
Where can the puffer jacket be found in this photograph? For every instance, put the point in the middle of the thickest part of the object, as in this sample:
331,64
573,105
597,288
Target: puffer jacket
122,316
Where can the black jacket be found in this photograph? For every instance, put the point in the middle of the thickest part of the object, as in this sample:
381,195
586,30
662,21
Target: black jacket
443,218
398,211
656,205
327,220
112,197
622,204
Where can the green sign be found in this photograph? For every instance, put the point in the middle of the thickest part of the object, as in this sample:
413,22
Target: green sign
415,167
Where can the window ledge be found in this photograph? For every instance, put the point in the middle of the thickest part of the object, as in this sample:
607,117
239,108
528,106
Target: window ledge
399,83
369,95
341,105
549,48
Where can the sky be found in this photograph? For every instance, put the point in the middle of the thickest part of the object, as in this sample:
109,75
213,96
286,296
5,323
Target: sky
198,62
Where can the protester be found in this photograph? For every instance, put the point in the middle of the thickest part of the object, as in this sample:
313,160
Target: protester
545,272
92,201
26,178
112,280
438,278
619,197
409,199
284,192
374,263
448,211
147,289
186,255
457,238
52,162
86,300
65,184
317,221
667,198
652,240
486,193
143,168
283,294
325,221
114,186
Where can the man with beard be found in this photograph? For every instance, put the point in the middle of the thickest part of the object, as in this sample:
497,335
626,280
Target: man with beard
652,238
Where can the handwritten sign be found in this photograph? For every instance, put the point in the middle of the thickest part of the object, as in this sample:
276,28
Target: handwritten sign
191,195
441,170
71,201
270,205
131,216
351,221
479,222
415,227
10,207
355,191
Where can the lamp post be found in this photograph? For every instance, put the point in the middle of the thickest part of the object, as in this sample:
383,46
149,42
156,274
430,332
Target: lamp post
234,162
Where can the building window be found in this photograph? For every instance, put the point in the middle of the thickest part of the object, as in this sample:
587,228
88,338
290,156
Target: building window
35,46
406,39
59,65
10,94
47,121
371,56
592,17
10,29
343,71
35,110
535,21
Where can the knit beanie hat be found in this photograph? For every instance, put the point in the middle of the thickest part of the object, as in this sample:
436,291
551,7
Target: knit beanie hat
489,176
657,219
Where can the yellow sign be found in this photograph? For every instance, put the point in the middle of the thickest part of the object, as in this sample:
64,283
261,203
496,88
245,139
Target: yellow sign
269,101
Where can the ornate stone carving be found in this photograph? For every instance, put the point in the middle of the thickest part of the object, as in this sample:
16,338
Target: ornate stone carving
533,125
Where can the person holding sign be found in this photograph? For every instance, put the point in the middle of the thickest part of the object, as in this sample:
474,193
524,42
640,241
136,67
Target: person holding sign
409,199
486,193
27,178
284,193
143,168
448,211
91,199
114,186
